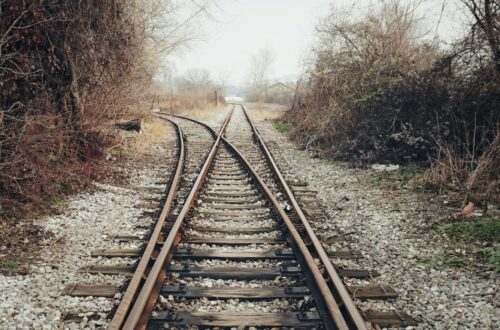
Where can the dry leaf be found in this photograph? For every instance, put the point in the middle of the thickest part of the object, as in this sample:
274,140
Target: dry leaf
467,212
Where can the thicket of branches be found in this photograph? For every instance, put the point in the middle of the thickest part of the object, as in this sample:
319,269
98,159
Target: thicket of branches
378,93
67,69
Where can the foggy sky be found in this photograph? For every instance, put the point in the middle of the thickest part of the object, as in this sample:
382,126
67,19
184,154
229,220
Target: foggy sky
241,27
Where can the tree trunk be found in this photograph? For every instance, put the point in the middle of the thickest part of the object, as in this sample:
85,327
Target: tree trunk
489,30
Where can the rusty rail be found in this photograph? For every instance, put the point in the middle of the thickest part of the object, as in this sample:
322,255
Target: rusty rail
334,317
140,272
143,306
137,305
332,300
336,282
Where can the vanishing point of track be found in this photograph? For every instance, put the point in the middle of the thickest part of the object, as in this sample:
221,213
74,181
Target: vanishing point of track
230,215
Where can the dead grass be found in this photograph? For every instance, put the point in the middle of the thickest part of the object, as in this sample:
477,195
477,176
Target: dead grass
21,246
154,131
263,111
202,114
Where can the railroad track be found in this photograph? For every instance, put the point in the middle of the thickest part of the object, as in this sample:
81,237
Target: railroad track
233,247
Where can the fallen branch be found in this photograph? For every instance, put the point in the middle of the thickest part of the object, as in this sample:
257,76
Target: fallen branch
131,125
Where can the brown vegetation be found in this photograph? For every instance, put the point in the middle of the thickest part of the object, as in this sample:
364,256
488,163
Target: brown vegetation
194,90
68,71
379,93
60,61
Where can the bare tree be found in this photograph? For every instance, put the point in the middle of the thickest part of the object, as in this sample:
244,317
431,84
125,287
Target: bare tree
261,63
197,77
195,89
222,78
487,25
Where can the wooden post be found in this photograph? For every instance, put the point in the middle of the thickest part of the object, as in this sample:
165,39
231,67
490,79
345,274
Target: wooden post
171,100
216,99
153,103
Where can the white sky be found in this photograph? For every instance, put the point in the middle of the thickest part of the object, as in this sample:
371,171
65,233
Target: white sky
241,27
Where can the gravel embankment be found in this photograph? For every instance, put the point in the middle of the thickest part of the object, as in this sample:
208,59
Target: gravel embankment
393,230
36,300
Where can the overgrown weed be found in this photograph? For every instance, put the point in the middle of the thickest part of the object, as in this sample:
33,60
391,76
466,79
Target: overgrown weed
283,127
479,235
474,230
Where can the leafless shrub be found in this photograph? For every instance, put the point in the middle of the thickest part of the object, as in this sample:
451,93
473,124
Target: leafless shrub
355,61
468,145
378,92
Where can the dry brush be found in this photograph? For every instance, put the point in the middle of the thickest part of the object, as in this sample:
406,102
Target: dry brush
378,92
67,69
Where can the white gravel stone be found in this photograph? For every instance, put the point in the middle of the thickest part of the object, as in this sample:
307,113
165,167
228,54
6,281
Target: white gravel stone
232,305
271,234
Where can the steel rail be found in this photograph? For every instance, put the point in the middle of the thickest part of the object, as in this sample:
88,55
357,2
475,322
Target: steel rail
148,295
335,317
333,310
338,285
140,272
